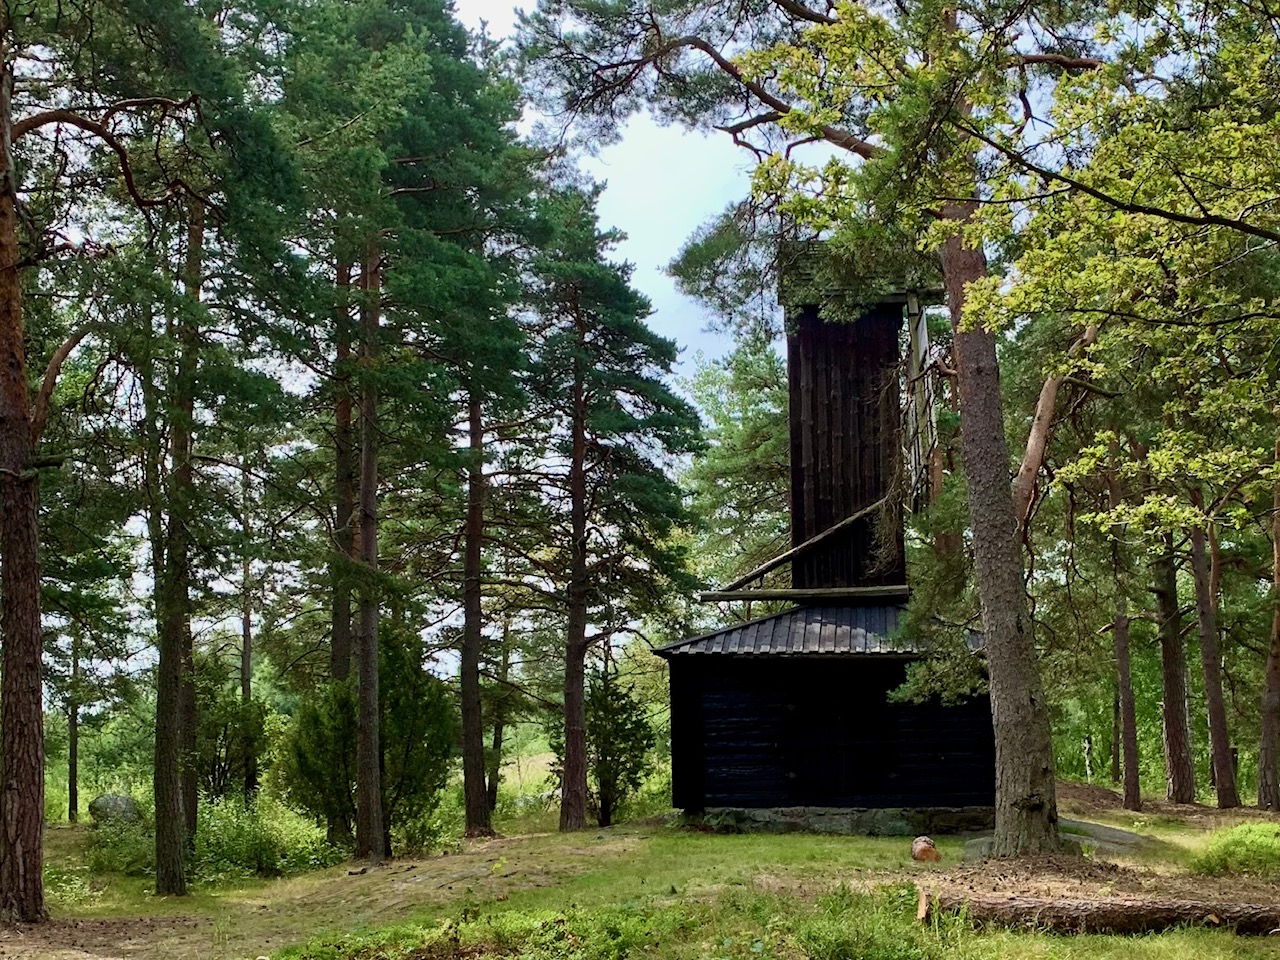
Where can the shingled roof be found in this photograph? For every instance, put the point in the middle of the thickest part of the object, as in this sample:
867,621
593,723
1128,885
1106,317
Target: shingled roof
805,631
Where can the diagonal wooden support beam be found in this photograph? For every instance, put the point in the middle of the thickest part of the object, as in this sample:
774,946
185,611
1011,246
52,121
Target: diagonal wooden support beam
802,548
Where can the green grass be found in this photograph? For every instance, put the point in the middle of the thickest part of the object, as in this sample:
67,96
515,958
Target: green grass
677,895
638,891
1249,849
745,923
736,925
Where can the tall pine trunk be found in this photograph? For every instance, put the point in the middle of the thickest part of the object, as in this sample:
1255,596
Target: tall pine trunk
1128,715
573,787
494,776
1115,733
170,824
346,551
1120,644
370,831
1224,775
73,733
1180,777
174,778
1026,802
246,628
473,771
573,793
344,481
1269,746
182,513
22,713
493,766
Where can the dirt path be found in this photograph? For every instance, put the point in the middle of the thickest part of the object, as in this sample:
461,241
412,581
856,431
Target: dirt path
254,923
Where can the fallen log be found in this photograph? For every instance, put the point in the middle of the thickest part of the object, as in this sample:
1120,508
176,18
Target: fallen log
1113,915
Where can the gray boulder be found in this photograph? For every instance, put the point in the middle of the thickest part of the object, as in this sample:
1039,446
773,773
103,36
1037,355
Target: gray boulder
1098,838
979,848
114,807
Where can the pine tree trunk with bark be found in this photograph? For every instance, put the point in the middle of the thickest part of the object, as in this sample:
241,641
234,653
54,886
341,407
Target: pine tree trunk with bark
370,829
1224,775
494,777
493,772
344,480
73,734
573,787
175,782
21,700
473,769
170,824
1128,715
1269,746
1026,803
182,504
1115,734
1180,777
573,796
1120,644
246,627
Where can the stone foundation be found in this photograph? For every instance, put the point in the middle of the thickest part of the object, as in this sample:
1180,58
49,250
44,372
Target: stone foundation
852,821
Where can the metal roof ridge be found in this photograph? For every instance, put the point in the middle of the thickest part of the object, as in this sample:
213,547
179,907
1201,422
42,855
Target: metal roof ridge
733,626
856,629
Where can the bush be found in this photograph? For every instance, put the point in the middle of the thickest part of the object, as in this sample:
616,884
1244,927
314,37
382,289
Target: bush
316,762
122,846
434,829
1251,848
234,840
620,742
654,796
262,838
230,734
316,759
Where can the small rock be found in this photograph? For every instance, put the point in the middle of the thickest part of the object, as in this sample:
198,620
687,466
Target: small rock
980,849
923,848
114,807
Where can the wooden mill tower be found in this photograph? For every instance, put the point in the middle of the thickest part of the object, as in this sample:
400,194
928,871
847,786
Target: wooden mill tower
791,712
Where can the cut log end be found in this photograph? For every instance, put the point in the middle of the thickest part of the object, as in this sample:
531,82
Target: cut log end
923,848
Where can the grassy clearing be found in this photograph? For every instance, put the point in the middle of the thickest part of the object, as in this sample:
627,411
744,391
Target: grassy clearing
634,891
680,896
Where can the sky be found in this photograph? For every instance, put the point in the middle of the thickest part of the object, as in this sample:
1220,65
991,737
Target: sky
662,182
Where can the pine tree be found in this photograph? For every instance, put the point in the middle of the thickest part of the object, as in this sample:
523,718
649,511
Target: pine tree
616,427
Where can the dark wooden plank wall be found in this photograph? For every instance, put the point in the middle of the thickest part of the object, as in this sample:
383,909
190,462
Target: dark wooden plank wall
770,732
845,444
687,784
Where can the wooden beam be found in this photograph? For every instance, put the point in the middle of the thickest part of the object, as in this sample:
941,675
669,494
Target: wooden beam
890,592
800,548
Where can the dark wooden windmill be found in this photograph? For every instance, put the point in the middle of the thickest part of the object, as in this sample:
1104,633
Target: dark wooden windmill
792,710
